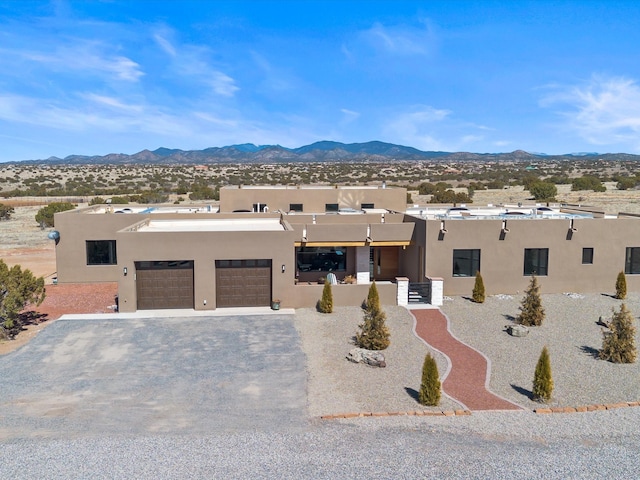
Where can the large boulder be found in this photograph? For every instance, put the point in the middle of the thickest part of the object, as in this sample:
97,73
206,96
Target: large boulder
368,357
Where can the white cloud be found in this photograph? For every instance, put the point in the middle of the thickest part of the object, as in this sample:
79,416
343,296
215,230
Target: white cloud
400,39
416,127
86,57
603,111
349,116
165,45
193,63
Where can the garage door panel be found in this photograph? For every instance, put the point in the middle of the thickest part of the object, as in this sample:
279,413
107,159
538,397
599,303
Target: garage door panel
160,286
243,286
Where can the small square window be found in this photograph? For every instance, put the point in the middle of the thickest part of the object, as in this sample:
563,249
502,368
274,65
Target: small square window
331,207
295,207
587,256
367,205
466,263
101,252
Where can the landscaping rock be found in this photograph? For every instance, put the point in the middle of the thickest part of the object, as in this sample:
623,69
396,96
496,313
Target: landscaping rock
368,357
517,330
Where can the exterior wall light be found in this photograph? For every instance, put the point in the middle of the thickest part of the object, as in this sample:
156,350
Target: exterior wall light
283,268
124,271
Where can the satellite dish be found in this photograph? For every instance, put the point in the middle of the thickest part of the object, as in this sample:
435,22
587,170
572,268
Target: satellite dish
54,235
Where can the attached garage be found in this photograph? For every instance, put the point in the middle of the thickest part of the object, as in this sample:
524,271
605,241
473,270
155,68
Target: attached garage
243,283
164,284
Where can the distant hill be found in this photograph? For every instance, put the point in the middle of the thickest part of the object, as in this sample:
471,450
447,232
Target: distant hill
324,151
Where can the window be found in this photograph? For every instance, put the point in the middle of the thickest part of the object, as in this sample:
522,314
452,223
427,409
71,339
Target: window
632,261
101,252
331,207
367,205
587,256
536,261
295,207
466,262
321,259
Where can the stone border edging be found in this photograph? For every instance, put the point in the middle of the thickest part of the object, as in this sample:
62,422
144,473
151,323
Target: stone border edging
418,413
459,413
585,408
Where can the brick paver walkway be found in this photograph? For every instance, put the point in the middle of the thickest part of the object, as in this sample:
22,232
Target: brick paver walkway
467,378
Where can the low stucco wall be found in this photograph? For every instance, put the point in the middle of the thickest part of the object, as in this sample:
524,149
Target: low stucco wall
344,295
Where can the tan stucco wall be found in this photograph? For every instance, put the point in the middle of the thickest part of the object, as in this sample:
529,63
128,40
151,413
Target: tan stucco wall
343,294
204,248
313,199
502,261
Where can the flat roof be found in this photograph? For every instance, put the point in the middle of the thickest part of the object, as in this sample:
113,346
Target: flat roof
214,225
125,209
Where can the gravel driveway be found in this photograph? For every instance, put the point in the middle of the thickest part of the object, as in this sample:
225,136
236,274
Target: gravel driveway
178,375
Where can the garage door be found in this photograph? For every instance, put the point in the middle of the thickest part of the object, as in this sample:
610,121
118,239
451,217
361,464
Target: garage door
164,284
243,283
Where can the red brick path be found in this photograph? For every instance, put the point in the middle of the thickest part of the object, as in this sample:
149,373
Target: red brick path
467,379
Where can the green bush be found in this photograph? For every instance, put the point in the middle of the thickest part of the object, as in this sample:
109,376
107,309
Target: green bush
325,304
618,344
374,334
478,289
542,380
18,288
5,211
430,387
587,182
531,311
621,286
46,214
543,190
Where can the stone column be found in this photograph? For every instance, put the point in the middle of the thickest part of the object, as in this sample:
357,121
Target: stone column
402,291
362,265
437,291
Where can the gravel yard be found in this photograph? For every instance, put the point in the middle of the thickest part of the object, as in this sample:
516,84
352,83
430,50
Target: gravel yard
572,336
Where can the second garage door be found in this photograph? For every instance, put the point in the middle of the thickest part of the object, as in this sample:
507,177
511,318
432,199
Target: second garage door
164,284
243,283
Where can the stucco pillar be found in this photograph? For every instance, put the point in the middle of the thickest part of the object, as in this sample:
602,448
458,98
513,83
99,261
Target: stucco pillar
362,265
437,291
402,291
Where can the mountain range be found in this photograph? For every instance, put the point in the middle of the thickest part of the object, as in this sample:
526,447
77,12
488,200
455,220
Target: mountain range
324,151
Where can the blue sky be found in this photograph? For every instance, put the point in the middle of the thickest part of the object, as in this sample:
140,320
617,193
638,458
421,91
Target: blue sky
95,77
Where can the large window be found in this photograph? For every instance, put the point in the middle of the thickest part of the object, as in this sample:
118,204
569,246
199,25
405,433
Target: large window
466,262
101,252
632,261
321,259
536,261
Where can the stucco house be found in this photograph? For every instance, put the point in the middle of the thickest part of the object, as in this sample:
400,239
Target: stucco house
263,243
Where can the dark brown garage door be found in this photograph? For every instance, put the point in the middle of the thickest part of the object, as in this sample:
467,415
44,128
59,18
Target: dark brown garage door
164,284
243,283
